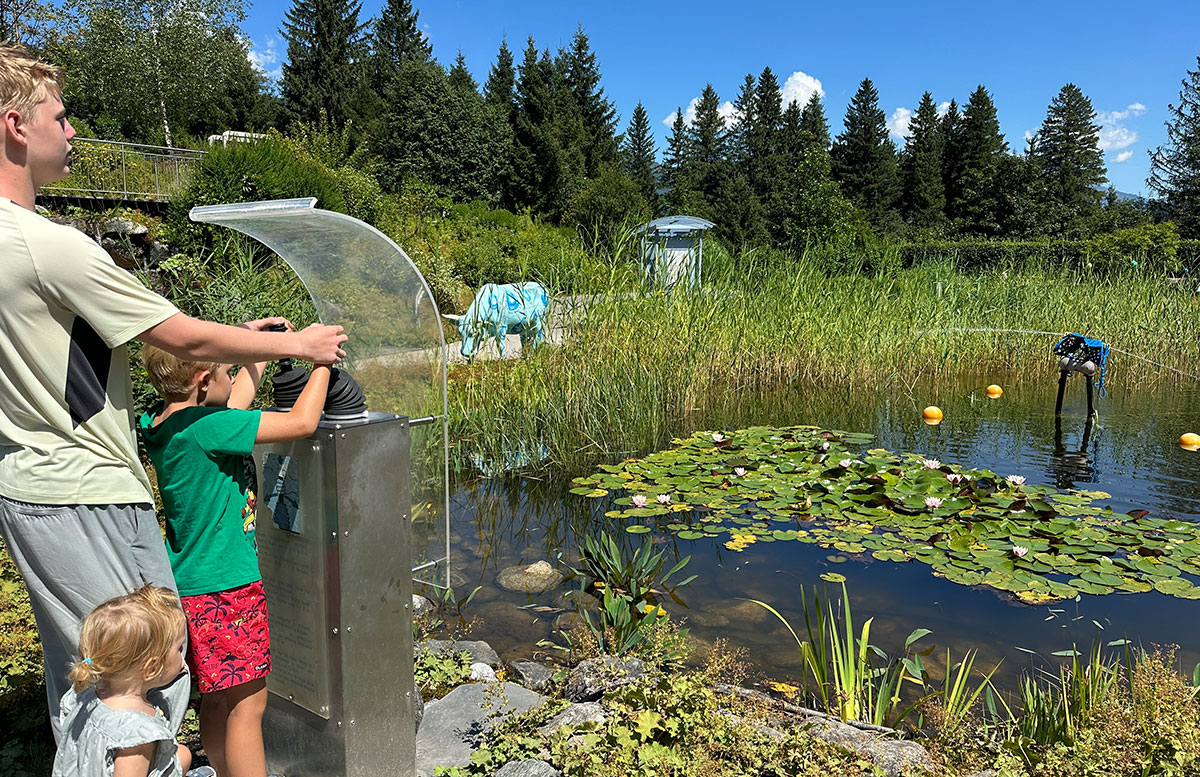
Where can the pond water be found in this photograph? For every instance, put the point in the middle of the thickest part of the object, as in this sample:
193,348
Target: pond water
1131,453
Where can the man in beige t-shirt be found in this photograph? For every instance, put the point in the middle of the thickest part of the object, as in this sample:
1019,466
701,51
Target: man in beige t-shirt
76,511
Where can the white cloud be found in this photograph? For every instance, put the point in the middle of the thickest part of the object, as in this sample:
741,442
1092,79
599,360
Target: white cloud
898,123
1114,135
799,88
1124,156
726,111
943,109
267,59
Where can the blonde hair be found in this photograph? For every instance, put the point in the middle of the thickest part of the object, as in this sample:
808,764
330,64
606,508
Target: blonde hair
130,633
25,81
170,375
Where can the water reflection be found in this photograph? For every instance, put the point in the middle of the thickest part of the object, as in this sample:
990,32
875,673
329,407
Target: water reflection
1129,450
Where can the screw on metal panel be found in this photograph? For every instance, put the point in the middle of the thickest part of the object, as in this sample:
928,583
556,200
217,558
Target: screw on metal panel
406,605
351,721
333,534
316,447
343,435
291,697
345,533
407,694
339,724
349,629
335,631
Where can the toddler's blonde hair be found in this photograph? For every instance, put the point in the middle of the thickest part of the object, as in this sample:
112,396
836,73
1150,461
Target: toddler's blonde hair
170,375
128,634
26,81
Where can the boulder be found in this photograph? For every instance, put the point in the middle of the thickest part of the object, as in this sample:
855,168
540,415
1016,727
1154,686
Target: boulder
482,673
574,716
481,652
593,678
533,579
456,725
420,605
123,227
528,769
531,674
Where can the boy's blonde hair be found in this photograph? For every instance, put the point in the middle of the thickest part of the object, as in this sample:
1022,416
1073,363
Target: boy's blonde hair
25,81
128,634
170,375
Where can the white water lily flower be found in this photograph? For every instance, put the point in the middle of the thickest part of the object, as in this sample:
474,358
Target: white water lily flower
1016,480
954,478
739,471
824,446
664,499
1019,551
932,502
718,437
845,463
931,463
638,500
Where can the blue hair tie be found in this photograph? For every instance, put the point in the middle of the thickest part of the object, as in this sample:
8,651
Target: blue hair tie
87,661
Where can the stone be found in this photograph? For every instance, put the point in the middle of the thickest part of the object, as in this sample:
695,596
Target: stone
529,768
591,712
418,705
985,773
746,612
157,253
456,725
482,673
116,226
593,678
420,605
531,674
533,579
898,757
481,652
707,619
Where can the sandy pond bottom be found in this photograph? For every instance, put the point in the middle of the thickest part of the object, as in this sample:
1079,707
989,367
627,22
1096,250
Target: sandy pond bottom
1131,453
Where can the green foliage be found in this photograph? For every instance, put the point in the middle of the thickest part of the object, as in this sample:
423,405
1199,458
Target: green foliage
631,589
325,68
1175,165
436,674
1151,248
606,204
26,749
923,199
1070,160
864,159
638,155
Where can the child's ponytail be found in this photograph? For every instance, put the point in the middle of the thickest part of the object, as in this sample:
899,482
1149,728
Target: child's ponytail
83,674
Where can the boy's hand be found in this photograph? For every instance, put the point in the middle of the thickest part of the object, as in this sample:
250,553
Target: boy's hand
321,344
265,323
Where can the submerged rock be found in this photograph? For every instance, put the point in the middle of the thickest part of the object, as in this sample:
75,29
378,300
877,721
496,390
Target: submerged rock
533,579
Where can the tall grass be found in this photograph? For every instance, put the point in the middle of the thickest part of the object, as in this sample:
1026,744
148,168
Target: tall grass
636,368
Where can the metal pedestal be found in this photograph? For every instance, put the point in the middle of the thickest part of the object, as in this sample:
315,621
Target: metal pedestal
333,531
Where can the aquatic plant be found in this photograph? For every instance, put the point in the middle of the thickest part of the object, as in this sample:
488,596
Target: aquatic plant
972,527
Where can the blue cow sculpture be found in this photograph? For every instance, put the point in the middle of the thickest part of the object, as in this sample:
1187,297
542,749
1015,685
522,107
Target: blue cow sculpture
500,310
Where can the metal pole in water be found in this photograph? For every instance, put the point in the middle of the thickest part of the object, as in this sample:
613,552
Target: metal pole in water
1091,410
1062,387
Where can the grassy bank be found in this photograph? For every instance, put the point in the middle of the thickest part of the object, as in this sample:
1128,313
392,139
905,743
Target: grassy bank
640,368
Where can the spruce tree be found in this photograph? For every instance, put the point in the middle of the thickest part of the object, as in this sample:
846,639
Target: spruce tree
638,153
599,115
763,125
814,124
924,193
981,151
743,110
708,130
396,37
460,77
324,71
1067,152
950,136
792,140
864,159
1175,165
501,80
678,155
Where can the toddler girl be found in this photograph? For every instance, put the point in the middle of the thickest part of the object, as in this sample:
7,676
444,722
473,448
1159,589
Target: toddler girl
130,645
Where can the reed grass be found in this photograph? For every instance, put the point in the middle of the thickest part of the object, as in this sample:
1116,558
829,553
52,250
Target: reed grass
638,367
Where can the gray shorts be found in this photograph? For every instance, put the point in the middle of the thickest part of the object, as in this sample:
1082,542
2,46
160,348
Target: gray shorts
73,557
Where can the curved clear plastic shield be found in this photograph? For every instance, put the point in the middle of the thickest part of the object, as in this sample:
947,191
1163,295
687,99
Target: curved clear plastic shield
359,279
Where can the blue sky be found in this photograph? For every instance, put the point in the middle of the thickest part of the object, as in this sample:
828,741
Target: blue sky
1128,59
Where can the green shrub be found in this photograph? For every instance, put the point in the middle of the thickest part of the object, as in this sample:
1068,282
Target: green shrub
1152,248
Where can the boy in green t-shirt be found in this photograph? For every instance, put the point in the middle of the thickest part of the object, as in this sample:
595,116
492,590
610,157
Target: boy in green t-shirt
199,440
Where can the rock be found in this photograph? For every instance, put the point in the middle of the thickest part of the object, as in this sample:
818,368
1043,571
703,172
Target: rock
117,226
119,251
420,605
593,678
898,757
574,716
157,253
455,725
418,705
531,674
746,612
528,769
985,773
482,673
481,652
533,579
708,619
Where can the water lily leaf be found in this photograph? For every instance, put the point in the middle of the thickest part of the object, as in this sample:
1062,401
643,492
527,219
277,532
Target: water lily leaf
690,535
637,529
836,559
833,577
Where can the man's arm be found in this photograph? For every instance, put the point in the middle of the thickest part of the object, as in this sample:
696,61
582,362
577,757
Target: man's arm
196,340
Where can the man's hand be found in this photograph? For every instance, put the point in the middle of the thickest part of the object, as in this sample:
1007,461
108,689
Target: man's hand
321,344
265,323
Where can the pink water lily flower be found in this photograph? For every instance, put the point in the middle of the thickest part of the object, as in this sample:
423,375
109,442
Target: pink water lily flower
845,463
931,463
639,500
954,478
1019,551
664,499
932,502
824,446
1016,480
739,471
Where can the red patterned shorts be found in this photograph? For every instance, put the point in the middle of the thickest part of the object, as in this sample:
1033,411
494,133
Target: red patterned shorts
228,639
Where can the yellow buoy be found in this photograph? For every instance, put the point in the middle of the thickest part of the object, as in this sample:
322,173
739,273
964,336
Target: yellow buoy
993,391
1190,440
932,421
932,413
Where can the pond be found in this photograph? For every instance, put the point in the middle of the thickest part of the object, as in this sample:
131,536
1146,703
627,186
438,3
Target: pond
1131,453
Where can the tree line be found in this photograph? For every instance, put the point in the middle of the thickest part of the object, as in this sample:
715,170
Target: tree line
540,135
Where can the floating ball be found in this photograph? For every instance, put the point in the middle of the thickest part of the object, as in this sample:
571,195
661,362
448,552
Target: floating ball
932,421
932,413
1190,440
993,391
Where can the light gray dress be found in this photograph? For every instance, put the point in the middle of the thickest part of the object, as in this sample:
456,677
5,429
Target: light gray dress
92,733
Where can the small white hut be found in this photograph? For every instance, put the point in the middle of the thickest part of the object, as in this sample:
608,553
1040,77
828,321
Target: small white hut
673,250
